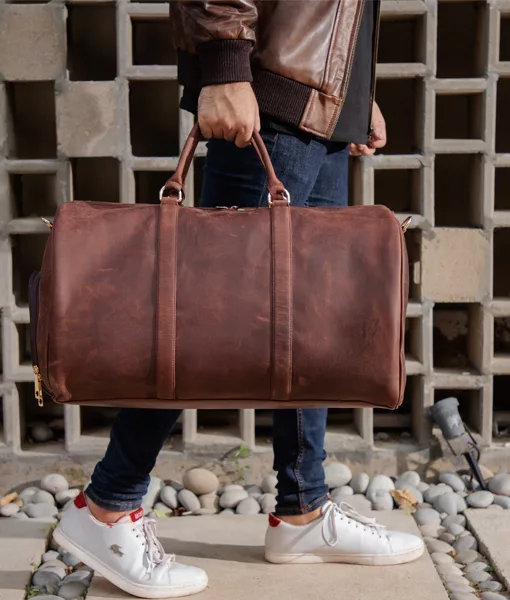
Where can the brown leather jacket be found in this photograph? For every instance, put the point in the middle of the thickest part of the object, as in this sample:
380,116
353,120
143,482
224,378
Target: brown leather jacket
297,53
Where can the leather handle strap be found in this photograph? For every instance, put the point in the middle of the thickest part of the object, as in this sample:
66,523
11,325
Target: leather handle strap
173,190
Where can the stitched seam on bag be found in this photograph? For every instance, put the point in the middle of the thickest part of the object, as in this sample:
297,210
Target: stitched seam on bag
173,391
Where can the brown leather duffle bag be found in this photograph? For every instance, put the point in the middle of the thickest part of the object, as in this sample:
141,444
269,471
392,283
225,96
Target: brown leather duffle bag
167,306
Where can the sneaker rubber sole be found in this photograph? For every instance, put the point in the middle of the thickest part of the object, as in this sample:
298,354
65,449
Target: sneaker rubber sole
352,559
119,580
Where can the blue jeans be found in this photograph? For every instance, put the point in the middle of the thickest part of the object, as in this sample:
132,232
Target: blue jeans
315,174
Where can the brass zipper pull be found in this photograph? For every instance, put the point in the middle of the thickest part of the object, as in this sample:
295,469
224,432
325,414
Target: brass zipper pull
38,386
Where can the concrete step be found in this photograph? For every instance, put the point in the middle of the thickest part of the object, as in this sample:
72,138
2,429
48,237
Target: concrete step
22,543
231,550
492,529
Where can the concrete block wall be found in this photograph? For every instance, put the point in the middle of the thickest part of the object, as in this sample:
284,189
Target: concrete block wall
89,110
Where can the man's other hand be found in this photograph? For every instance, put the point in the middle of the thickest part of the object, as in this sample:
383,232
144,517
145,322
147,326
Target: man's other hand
229,111
378,135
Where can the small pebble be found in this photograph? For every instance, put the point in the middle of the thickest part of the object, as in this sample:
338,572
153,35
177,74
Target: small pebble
438,546
433,531
232,498
476,566
248,506
27,493
230,487
455,529
152,494
439,558
379,482
189,500
427,516
446,503
176,485
461,502
463,596
64,496
382,500
41,432
492,596
200,481
8,510
168,496
37,511
227,512
503,501
53,483
268,503
72,590
50,555
210,501
84,576
456,520
453,480
162,508
458,588
478,576
448,538
345,490
480,499
21,516
382,436
54,562
447,570
254,490
359,483
69,559
467,542
360,503
42,497
48,597
46,577
500,484
269,485
408,478
490,586
495,507
423,487
337,474
466,557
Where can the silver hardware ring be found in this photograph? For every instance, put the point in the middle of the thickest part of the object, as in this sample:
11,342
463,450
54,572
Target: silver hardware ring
180,196
286,195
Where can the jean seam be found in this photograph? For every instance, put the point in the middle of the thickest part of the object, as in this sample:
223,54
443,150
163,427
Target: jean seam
318,501
299,460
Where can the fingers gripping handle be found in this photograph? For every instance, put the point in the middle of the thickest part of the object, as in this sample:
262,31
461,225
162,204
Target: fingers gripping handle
173,190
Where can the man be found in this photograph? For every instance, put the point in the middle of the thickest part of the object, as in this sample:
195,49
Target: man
301,71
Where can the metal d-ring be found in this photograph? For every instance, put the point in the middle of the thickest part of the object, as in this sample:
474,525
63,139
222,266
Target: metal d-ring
180,196
286,195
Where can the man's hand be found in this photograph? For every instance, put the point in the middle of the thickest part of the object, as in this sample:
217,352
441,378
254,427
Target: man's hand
229,111
378,135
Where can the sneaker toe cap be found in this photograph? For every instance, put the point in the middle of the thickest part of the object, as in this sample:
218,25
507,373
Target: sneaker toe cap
405,543
185,575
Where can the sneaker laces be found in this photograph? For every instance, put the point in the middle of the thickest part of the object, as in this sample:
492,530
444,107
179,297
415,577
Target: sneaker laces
153,547
346,511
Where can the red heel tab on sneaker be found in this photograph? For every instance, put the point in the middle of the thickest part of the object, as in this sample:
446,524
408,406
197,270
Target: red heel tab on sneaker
274,521
80,501
136,515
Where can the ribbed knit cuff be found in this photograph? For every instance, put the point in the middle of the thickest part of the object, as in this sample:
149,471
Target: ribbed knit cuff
225,61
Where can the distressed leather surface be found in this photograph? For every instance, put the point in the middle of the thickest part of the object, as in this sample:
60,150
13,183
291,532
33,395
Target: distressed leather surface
103,339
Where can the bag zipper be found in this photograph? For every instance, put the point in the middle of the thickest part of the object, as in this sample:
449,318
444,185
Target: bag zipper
33,304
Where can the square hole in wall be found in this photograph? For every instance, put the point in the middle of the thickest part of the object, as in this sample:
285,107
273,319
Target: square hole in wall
470,405
402,39
399,103
341,421
148,185
502,188
501,408
154,117
504,38
397,425
457,180
451,331
199,164
461,50
501,274
42,428
413,339
502,336
152,42
33,194
32,127
503,116
219,424
97,421
264,427
459,116
24,344
96,179
91,42
399,189
413,243
27,254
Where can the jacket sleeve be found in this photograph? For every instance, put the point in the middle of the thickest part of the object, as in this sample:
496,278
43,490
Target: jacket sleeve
220,32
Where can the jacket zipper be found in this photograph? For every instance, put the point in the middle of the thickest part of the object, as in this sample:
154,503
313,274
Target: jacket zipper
374,67
33,302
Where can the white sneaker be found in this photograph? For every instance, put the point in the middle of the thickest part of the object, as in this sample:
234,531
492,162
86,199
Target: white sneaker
340,535
127,553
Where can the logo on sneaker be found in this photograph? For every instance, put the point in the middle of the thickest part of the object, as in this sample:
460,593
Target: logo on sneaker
136,515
